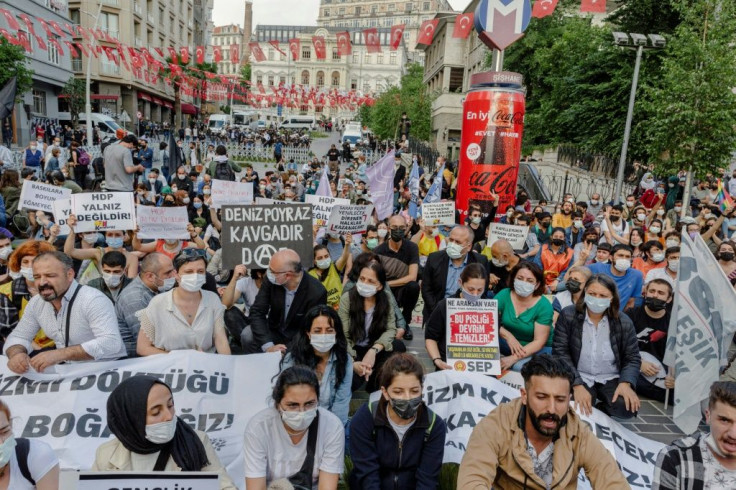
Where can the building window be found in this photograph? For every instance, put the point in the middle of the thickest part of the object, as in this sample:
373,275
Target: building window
53,52
335,54
392,58
109,23
368,59
357,10
335,79
353,84
306,53
270,54
366,87
356,59
426,6
39,101
379,59
320,79
270,80
305,77
282,80
326,12
259,79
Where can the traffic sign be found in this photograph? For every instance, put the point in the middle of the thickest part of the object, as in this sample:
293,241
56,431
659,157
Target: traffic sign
502,22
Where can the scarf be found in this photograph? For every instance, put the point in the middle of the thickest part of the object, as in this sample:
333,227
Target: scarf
126,417
221,158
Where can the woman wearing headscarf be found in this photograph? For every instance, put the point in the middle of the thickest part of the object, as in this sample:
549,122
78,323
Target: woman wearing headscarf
150,437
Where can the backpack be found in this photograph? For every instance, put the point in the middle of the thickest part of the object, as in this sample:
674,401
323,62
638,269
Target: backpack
83,158
223,171
22,450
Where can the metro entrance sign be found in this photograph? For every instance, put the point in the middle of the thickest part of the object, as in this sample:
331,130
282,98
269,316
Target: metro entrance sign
500,23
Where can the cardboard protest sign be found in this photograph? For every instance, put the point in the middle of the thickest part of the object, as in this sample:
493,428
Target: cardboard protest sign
163,223
102,211
252,234
225,192
439,213
38,196
265,200
349,219
111,480
515,235
322,207
62,210
472,336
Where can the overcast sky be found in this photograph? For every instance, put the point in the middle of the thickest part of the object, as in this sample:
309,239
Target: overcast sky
265,12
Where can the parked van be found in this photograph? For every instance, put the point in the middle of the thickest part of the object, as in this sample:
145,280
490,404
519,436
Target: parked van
352,136
217,122
104,123
298,122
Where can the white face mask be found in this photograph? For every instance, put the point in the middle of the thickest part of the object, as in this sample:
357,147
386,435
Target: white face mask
323,343
499,263
578,223
7,449
366,290
27,272
91,238
15,275
162,432
382,232
324,263
657,257
454,250
678,209
622,265
523,288
112,280
673,265
641,217
655,229
672,243
299,420
167,285
5,252
594,202
192,282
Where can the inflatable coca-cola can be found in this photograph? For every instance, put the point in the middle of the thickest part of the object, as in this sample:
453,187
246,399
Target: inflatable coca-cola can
490,149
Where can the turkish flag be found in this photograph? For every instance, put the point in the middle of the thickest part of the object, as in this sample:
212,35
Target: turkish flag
199,55
234,54
344,46
464,24
295,47
174,55
258,54
12,23
11,38
57,28
41,43
397,33
184,55
275,45
372,41
44,25
52,40
593,6
29,23
81,48
25,41
217,53
426,31
160,52
319,47
543,8
72,49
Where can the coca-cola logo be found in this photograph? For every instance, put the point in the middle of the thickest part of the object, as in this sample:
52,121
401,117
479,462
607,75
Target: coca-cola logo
509,118
485,183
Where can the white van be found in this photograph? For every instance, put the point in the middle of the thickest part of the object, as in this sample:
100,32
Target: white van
104,123
218,122
352,136
298,122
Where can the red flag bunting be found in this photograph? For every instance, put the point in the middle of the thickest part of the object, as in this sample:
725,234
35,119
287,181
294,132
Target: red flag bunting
29,23
426,31
344,46
234,54
159,52
72,50
174,55
12,23
397,33
25,41
275,45
11,39
217,51
55,42
593,6
258,54
57,28
81,48
319,47
372,41
45,26
41,43
464,24
295,48
543,8
184,55
199,55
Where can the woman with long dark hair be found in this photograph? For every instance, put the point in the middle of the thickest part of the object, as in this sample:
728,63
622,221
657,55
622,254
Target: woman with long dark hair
321,345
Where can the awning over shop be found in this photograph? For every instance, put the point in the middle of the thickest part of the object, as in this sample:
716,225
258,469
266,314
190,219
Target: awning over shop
190,109
144,96
168,105
104,97
157,101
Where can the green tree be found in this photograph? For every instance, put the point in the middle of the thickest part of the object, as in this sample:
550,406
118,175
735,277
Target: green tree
75,92
14,63
176,80
245,72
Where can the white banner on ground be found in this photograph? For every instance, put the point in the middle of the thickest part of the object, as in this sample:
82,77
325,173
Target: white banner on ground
322,207
179,480
62,209
515,235
472,336
701,329
462,399
439,213
163,223
212,393
101,211
350,220
225,192
38,196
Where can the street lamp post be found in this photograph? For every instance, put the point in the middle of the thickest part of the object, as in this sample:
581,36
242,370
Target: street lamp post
88,81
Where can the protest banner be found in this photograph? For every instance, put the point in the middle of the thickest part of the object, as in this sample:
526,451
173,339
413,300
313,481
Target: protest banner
472,336
380,177
349,220
62,209
225,192
163,223
252,234
212,393
265,200
515,235
102,211
462,399
322,207
38,196
179,480
439,213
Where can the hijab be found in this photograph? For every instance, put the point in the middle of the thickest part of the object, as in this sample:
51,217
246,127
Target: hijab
645,184
127,407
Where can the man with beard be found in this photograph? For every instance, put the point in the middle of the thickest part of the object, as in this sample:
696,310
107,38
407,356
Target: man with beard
79,319
537,440
703,460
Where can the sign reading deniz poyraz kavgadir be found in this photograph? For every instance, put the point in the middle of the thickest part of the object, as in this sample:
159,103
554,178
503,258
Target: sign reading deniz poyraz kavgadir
472,336
100,211
252,234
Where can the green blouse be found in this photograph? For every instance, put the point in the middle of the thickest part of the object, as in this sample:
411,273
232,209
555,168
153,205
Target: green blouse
522,327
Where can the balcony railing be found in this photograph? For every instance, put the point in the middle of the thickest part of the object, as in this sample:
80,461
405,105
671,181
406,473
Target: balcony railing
112,3
76,65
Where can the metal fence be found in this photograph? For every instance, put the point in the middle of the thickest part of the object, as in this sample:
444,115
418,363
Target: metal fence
604,164
426,152
581,186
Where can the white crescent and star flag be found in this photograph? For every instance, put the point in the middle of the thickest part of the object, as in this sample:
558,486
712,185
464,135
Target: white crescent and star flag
372,41
319,47
199,55
381,182
344,46
294,47
397,34
275,44
543,8
463,25
258,54
593,6
426,31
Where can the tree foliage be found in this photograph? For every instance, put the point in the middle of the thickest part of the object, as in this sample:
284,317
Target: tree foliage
176,80
75,91
14,63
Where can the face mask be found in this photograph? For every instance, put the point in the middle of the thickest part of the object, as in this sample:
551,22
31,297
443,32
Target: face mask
655,304
614,219
168,284
324,264
366,290
471,297
174,189
657,257
510,214
323,343
523,288
655,229
693,234
594,202
454,250
299,420
185,200
27,272
476,220
573,286
673,265
636,242
578,223
499,263
660,212
726,256
641,217
597,305
182,176
162,432
152,181
678,209
112,280
672,243
5,252
192,282
371,243
7,449
397,235
622,265
206,192
630,204
382,232
436,232
557,242
262,187
406,409
115,242
15,275
91,238
197,205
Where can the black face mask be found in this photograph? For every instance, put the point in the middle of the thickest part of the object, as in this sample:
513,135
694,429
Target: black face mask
397,235
726,256
406,409
573,286
615,219
557,242
591,240
655,304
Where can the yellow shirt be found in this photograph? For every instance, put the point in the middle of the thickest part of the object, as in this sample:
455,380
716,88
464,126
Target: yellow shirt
332,283
41,339
562,221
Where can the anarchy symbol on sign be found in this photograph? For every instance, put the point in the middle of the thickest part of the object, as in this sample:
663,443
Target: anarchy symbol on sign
262,255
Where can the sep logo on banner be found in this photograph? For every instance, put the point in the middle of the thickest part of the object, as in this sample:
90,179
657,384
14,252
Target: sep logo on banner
38,196
212,393
322,207
350,220
163,223
439,213
472,336
225,192
514,234
100,211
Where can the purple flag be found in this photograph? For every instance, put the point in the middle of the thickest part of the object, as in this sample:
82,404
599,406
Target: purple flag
324,185
381,181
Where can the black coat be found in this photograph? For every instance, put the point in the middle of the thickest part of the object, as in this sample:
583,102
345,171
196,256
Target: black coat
434,277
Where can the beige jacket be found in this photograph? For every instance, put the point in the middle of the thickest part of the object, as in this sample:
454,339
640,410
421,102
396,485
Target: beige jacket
112,456
496,456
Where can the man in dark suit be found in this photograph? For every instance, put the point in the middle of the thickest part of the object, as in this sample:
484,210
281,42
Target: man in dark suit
443,268
286,294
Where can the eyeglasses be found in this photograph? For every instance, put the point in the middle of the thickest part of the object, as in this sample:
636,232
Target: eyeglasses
278,273
296,407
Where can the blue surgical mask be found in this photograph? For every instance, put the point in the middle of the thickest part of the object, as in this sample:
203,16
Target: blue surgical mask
597,305
115,242
197,205
471,297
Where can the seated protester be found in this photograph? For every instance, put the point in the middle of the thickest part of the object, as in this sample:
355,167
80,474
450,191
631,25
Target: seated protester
725,255
115,242
60,179
668,273
150,437
472,286
652,258
563,219
367,244
87,329
181,181
397,441
428,240
672,239
186,317
369,324
531,244
575,233
295,442
170,248
477,222
538,440
599,344
585,251
113,279
245,285
39,468
329,273
154,185
483,247
672,218
143,197
554,258
6,248
577,276
525,317
503,260
588,217
614,229
636,241
651,321
603,254
628,281
654,232
321,346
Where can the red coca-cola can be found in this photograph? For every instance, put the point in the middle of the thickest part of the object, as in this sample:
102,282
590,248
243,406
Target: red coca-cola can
490,148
